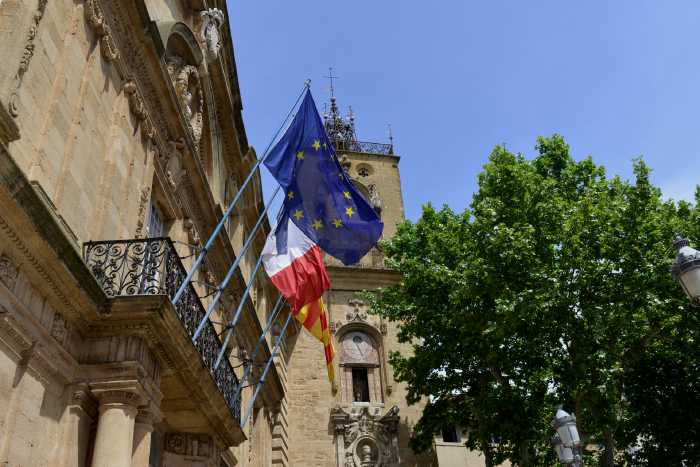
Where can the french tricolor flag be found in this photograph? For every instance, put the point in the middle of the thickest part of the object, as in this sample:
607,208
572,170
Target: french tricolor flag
295,266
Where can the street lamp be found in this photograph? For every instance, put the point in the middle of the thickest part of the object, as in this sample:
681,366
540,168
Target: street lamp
567,441
686,269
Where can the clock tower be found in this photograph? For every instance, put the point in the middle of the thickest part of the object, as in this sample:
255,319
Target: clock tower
362,419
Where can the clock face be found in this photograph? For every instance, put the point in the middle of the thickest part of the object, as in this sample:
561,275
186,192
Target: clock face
359,348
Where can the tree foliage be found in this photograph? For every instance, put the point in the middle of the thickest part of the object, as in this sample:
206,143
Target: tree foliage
552,289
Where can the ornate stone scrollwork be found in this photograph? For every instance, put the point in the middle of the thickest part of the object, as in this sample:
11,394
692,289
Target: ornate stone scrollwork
96,19
136,105
138,108
188,89
212,20
369,439
141,216
27,55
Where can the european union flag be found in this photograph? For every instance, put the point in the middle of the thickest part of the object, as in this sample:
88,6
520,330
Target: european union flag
319,196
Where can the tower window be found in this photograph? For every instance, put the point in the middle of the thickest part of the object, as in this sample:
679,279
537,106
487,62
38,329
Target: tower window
360,385
450,434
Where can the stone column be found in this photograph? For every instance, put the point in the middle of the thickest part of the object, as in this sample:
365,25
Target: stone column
142,438
115,429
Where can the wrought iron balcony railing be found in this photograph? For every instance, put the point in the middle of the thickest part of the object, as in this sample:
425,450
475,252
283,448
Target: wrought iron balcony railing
364,146
152,267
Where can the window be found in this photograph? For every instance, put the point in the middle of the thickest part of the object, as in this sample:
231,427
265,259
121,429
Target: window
363,172
450,434
360,385
360,367
155,221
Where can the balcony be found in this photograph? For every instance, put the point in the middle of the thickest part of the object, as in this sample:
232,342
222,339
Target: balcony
151,267
364,147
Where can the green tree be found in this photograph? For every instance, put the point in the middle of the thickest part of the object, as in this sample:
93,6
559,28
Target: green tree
552,289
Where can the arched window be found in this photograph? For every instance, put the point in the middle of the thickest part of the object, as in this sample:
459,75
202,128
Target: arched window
360,364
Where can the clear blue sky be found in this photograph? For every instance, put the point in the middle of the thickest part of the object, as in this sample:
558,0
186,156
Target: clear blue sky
618,79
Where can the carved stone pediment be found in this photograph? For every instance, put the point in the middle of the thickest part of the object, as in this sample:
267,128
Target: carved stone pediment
366,437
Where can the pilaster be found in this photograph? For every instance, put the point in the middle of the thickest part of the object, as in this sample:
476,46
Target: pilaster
82,413
143,428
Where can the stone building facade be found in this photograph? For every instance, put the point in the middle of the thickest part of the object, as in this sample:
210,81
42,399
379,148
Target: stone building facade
121,144
122,140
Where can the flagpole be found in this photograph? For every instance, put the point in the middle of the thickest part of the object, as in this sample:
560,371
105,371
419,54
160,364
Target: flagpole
232,205
275,311
237,315
261,381
229,274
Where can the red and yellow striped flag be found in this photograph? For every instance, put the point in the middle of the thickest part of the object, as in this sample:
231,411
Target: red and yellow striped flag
295,266
315,319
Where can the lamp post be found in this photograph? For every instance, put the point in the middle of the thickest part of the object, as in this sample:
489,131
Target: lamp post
686,269
567,440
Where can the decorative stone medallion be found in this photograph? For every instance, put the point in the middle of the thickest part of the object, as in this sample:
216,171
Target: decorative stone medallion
365,437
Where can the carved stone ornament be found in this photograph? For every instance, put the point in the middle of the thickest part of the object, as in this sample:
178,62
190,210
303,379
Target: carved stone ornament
369,439
188,89
27,55
174,170
345,162
356,314
189,444
8,272
374,198
59,328
136,105
192,235
141,216
96,19
212,20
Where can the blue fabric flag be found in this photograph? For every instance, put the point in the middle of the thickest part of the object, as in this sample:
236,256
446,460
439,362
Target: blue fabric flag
319,196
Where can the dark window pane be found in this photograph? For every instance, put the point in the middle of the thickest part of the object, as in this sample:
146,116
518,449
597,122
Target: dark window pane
450,434
360,385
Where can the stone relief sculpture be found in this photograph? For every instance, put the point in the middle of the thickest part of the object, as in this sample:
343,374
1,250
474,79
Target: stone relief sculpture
188,89
8,272
59,328
212,19
374,198
365,437
357,313
172,163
